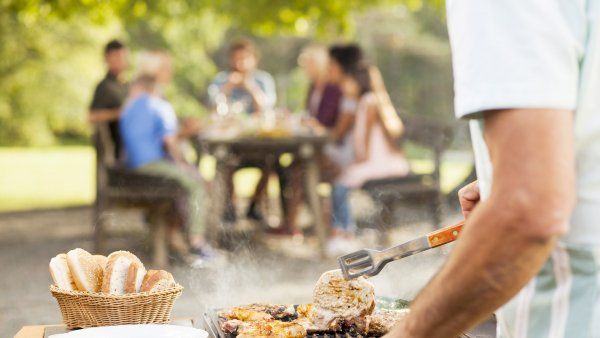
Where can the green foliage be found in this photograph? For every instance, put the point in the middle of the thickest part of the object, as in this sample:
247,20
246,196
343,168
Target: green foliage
50,55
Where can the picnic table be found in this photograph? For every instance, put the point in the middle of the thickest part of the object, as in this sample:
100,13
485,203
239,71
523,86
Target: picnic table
229,151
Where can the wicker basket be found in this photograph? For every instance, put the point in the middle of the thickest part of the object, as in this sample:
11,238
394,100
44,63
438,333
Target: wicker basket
85,309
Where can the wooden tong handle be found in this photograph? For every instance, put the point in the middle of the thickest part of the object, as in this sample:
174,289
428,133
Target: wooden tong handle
445,235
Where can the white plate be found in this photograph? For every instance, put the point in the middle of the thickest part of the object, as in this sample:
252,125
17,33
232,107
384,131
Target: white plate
136,331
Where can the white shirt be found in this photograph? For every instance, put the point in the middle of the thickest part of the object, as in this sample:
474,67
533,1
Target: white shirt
533,54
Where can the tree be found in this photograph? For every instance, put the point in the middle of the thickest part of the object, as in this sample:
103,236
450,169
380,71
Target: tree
50,51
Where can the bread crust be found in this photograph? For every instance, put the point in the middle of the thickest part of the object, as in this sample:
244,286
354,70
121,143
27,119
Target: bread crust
86,272
101,259
134,265
131,278
153,277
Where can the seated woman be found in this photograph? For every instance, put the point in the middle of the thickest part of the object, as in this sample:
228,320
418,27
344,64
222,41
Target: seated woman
376,127
328,108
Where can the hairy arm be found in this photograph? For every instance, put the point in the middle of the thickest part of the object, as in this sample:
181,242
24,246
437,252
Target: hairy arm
512,232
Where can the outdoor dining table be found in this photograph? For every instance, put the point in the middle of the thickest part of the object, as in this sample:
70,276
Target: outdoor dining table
229,151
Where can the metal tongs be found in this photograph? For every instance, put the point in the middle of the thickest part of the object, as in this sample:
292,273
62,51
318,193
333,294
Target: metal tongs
369,262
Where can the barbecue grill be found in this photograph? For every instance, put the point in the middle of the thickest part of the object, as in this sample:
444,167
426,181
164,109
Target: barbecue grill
211,318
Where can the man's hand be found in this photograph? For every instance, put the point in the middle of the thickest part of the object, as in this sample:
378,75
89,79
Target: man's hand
468,196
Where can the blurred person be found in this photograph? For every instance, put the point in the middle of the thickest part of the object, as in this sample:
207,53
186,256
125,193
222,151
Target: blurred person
324,96
243,84
323,104
528,84
151,138
157,64
376,128
111,92
343,61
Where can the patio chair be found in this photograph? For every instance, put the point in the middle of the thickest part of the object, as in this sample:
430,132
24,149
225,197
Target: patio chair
119,187
414,189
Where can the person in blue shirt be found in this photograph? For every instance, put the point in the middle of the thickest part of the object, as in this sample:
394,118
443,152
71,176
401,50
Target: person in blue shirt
151,137
244,87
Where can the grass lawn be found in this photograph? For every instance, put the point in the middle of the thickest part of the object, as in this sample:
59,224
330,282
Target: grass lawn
34,178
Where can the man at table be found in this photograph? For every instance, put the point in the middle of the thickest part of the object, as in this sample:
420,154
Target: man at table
111,92
151,138
253,90
527,74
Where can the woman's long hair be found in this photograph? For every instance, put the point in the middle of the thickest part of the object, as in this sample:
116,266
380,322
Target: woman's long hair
369,79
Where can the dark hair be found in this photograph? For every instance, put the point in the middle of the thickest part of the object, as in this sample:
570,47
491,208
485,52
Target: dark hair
362,75
113,45
243,44
347,56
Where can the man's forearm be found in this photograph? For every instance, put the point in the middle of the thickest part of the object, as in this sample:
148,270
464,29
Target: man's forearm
488,266
258,97
103,115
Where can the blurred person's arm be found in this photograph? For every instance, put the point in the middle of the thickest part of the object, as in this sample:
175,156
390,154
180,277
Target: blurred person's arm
370,121
103,115
169,133
508,237
172,147
259,99
262,91
342,127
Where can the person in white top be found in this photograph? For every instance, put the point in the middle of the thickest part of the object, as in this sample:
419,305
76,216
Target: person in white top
527,76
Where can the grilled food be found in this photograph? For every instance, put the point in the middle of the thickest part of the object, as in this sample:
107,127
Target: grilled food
338,306
255,312
232,319
380,322
337,301
274,328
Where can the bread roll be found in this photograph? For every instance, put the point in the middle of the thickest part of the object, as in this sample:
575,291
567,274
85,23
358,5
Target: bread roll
61,275
124,273
86,272
102,260
157,280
